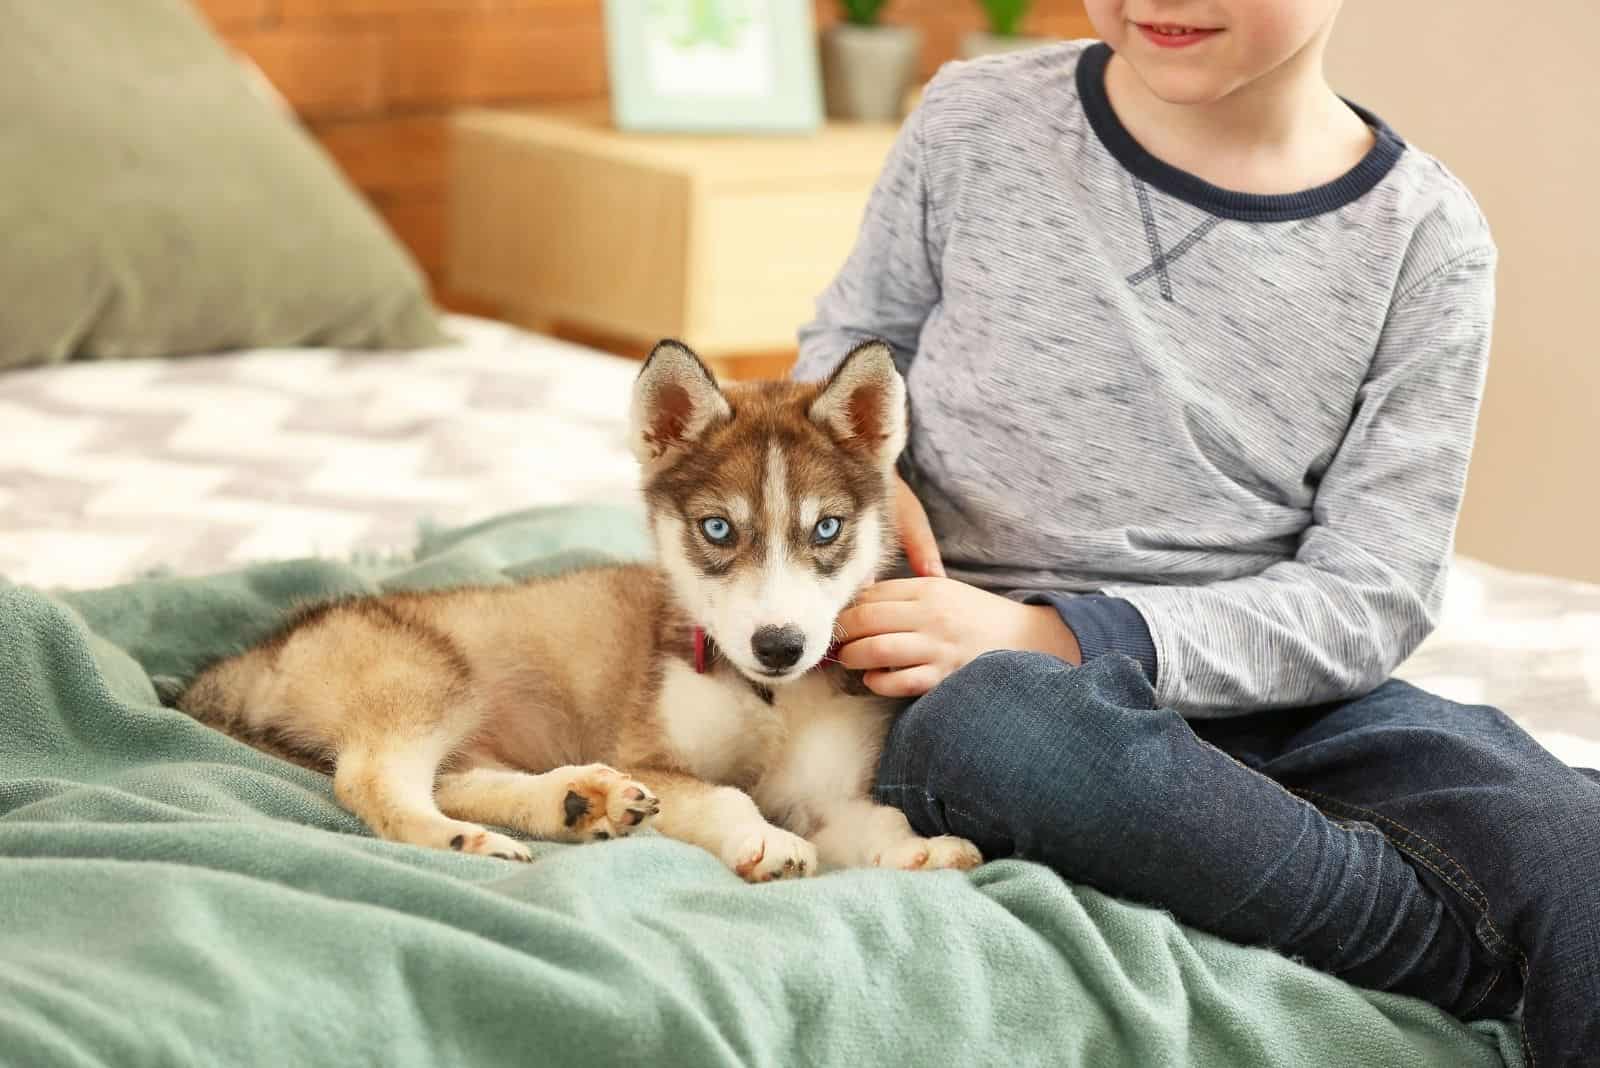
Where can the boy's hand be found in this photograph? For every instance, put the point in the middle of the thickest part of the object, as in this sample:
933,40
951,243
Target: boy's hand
910,634
916,535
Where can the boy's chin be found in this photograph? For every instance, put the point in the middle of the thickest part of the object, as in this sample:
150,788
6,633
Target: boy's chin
1186,88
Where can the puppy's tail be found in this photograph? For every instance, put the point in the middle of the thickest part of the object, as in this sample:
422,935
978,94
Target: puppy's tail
168,689
216,696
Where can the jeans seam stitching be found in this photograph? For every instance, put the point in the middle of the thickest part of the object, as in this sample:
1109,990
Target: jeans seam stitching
1522,960
1482,904
1481,901
1475,894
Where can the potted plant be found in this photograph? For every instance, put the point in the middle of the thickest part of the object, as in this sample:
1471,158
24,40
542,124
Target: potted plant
867,67
1005,23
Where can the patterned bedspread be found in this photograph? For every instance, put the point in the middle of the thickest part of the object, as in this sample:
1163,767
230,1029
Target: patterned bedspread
203,463
194,465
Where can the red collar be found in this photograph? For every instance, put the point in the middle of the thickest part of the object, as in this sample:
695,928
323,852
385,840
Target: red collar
700,650
702,644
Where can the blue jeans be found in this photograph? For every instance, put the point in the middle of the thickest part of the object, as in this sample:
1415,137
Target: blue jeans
1399,841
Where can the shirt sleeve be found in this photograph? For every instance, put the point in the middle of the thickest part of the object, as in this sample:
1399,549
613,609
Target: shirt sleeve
1367,580
890,282
1104,625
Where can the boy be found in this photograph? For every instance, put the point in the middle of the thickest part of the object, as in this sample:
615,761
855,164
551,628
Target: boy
1195,351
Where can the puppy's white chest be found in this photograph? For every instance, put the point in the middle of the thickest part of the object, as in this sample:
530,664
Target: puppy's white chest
810,747
830,749
716,730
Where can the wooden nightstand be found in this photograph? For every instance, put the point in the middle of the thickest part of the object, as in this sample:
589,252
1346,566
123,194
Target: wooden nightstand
622,239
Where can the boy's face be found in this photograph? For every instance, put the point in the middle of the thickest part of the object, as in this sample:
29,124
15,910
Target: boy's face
1199,51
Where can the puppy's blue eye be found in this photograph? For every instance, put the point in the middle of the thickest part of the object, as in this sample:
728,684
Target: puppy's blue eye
827,529
717,530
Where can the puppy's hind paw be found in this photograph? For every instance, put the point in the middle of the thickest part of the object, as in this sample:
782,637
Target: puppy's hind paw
484,843
926,854
771,853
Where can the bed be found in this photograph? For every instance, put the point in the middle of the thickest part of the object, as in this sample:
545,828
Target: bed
172,897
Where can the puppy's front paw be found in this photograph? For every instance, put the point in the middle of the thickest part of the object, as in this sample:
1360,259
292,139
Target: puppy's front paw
769,853
601,803
915,854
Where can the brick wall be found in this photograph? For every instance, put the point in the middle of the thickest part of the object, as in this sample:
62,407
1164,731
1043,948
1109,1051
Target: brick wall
375,79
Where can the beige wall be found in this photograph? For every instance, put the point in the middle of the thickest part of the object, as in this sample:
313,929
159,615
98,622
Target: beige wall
1509,97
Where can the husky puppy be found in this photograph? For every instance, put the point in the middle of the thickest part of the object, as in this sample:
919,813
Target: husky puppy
695,695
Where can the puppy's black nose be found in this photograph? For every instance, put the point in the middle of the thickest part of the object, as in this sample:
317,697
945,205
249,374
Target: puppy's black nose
778,648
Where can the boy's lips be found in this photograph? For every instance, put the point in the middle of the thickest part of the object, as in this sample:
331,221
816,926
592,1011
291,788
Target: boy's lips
1167,35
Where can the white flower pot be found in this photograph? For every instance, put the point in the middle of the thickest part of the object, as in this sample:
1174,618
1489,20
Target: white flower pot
866,70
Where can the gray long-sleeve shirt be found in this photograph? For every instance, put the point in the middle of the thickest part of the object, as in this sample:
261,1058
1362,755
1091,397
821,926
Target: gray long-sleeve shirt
1224,433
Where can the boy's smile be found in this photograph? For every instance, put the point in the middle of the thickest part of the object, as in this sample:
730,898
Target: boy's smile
1169,35
1189,52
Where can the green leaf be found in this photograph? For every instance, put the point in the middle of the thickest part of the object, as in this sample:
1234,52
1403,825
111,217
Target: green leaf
862,12
1005,16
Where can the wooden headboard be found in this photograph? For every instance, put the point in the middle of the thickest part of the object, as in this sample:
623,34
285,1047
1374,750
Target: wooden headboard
375,79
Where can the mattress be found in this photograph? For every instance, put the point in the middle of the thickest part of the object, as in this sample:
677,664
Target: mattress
116,469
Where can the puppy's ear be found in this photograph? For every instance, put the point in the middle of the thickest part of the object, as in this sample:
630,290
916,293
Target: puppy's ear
675,399
863,404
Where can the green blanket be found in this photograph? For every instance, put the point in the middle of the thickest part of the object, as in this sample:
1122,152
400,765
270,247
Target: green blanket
169,896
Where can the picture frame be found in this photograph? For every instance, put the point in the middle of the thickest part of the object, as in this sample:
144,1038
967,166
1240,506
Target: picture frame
713,66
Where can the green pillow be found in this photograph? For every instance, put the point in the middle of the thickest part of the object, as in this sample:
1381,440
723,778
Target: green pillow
152,204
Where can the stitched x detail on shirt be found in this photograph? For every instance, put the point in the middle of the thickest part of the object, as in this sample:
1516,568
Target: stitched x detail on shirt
1160,258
